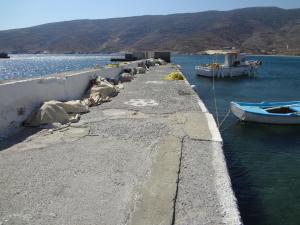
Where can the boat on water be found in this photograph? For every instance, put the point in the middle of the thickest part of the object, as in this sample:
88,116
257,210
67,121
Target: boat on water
4,55
267,112
235,64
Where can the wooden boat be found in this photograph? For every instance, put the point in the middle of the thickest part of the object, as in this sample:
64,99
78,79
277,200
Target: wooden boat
267,112
235,64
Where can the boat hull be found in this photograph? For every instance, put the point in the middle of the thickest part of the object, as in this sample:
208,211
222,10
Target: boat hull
4,55
267,118
225,71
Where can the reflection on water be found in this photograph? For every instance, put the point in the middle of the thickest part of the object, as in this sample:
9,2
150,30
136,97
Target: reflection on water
22,66
263,160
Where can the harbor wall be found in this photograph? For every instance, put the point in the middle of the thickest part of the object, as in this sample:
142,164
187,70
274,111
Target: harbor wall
227,202
199,192
18,99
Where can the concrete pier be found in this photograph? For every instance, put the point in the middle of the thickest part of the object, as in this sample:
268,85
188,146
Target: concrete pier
151,156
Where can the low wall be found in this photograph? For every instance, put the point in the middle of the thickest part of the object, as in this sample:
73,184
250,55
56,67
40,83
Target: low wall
18,99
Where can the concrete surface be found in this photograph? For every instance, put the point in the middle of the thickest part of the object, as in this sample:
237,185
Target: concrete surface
150,156
202,192
19,98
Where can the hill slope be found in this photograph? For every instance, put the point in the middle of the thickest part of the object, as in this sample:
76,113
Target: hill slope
251,29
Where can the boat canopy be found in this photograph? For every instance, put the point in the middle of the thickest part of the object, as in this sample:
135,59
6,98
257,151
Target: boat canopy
234,59
221,52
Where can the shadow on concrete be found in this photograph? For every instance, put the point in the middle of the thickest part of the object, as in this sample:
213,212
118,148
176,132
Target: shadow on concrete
17,138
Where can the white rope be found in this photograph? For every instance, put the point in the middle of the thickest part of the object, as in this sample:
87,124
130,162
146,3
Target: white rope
215,99
225,117
214,96
230,125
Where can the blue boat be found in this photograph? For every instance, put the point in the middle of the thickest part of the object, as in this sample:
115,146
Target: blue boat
267,112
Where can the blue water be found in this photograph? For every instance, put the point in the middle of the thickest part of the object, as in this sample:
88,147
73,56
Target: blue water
263,160
25,66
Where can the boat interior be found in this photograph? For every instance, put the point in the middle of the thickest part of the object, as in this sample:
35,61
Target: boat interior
281,110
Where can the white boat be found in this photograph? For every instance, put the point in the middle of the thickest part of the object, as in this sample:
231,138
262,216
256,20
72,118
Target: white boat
268,112
235,64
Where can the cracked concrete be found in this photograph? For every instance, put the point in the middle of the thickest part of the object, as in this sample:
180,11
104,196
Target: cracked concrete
156,201
121,164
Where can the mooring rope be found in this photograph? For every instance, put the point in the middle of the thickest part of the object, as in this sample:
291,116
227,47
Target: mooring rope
214,96
225,128
225,117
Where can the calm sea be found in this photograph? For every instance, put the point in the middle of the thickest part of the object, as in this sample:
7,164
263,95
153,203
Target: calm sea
24,66
263,160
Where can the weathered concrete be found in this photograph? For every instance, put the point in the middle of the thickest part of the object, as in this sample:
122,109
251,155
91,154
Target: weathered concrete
203,192
156,202
150,156
19,98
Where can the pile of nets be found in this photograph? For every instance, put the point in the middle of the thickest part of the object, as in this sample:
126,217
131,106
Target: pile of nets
56,112
174,76
101,91
112,65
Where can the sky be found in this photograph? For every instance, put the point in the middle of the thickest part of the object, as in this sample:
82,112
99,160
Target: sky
26,13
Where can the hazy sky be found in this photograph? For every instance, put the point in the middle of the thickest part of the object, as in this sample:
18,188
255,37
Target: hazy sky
25,13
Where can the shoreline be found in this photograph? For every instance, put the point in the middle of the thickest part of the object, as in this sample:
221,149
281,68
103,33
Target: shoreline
275,55
119,54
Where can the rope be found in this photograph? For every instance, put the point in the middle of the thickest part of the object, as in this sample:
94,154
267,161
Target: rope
225,117
215,99
225,128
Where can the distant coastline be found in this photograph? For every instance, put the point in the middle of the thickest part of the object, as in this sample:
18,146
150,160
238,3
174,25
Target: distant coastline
249,29
278,55
121,53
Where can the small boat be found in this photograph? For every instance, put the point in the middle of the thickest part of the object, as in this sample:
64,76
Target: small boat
4,55
235,64
267,112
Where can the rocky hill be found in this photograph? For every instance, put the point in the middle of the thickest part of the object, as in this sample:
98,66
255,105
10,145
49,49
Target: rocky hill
251,29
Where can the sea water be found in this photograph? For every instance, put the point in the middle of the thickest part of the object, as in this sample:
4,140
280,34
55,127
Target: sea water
263,160
27,66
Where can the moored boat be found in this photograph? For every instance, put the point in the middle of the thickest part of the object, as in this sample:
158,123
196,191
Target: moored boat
4,55
267,112
235,64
